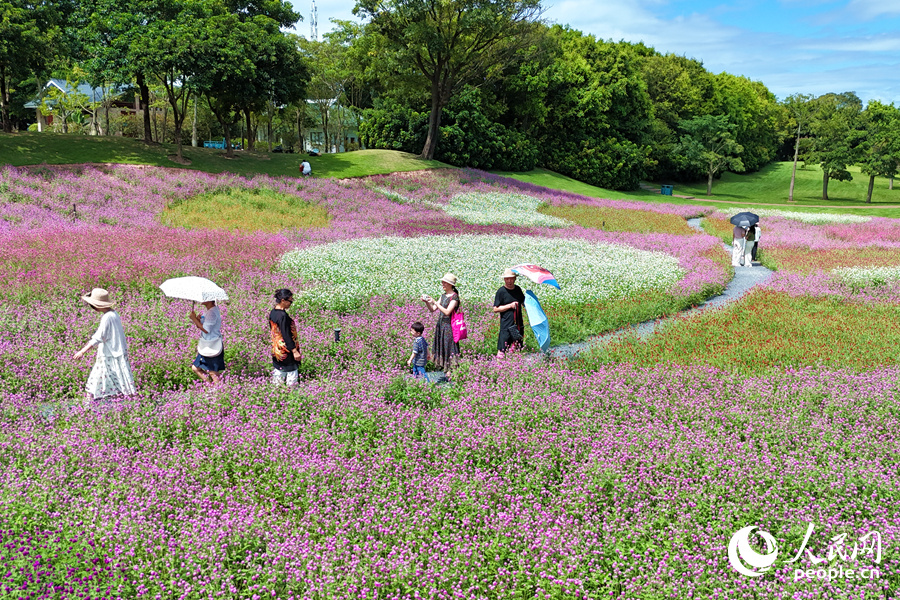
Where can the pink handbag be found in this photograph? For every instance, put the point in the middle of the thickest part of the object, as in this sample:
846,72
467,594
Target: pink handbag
458,325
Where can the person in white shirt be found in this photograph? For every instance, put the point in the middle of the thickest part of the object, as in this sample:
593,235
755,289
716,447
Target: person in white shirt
305,168
111,373
210,359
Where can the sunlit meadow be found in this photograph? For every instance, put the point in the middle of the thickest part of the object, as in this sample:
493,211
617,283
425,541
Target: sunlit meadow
617,475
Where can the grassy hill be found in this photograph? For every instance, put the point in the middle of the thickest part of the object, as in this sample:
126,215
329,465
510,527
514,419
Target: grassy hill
768,186
21,149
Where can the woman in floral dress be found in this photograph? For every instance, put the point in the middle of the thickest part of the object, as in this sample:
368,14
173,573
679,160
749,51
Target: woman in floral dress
445,351
111,373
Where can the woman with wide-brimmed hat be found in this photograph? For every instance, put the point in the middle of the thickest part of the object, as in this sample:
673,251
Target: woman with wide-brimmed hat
444,350
111,373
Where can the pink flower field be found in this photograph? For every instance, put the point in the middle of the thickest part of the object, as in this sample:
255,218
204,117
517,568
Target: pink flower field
522,478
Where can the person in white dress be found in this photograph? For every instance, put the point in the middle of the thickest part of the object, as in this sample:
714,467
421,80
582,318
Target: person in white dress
111,373
738,239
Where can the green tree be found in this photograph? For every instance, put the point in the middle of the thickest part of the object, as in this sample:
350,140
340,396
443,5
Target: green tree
63,105
30,34
597,112
836,136
880,148
679,88
708,143
755,114
451,42
800,109
109,34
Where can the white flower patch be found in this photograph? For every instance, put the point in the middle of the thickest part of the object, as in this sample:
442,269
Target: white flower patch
347,273
811,218
487,208
867,276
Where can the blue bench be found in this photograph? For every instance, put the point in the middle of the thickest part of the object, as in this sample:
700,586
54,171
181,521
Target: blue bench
214,144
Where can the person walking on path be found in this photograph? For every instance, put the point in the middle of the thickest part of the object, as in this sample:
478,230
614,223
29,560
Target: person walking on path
111,373
419,357
206,367
738,239
445,352
508,301
285,353
753,236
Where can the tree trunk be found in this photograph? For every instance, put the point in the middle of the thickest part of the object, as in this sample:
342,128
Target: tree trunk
300,132
229,151
106,118
165,125
871,187
194,139
145,103
434,121
824,185
709,179
4,101
178,141
251,134
794,172
891,184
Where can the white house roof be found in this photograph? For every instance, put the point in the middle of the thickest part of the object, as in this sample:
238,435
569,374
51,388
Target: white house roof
93,94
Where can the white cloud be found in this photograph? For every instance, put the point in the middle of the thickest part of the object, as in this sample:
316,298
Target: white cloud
873,9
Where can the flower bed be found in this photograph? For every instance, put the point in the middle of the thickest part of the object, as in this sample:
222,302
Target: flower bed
346,273
515,482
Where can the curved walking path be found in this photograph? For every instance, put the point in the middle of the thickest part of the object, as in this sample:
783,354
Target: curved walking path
743,281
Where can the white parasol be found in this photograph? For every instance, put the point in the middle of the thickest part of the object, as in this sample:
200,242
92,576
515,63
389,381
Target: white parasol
198,289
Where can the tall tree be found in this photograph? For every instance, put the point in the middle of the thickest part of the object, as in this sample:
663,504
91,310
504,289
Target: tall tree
800,109
708,143
880,149
109,35
836,136
451,42
29,33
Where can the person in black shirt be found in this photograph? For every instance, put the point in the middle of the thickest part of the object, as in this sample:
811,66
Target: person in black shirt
508,301
285,353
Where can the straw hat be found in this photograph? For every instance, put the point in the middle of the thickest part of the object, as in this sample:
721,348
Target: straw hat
98,298
508,273
449,278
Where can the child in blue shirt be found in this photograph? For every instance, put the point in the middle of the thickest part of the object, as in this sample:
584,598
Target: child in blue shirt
419,356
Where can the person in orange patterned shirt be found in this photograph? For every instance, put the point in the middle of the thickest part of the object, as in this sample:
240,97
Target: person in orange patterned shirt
285,353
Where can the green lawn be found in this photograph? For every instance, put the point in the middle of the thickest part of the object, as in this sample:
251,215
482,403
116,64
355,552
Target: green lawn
768,186
35,148
771,185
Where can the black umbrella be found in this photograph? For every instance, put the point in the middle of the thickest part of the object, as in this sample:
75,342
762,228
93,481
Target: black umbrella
745,216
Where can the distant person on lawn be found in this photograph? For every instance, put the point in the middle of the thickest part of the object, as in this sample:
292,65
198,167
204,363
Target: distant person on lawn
508,301
305,168
445,352
111,373
285,354
738,237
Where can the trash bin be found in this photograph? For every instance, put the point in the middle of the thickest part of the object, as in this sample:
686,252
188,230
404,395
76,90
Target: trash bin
666,190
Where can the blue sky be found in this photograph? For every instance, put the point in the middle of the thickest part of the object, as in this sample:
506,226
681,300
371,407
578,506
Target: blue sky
792,46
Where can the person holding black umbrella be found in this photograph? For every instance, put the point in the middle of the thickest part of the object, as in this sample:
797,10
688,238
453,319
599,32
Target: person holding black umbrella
741,251
738,241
